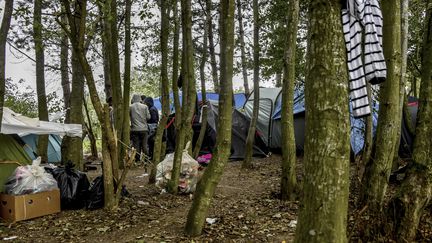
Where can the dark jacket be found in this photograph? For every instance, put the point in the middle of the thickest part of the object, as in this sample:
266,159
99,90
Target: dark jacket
154,113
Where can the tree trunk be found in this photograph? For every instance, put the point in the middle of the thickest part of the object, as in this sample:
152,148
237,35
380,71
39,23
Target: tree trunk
188,94
165,29
247,162
64,70
207,185
40,76
278,79
4,29
368,139
415,193
288,178
242,48
176,38
323,216
203,89
91,135
379,166
125,138
211,43
73,149
403,76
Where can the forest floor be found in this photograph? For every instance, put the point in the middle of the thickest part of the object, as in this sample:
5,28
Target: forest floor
245,208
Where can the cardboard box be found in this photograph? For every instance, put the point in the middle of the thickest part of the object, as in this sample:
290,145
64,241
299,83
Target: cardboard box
28,206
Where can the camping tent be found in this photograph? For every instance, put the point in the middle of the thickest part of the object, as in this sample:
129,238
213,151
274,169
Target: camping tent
12,154
54,147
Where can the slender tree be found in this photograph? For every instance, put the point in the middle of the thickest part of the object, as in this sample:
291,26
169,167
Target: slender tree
247,162
184,134
4,29
212,50
415,194
64,70
40,76
165,9
288,179
242,47
207,185
204,108
379,166
323,215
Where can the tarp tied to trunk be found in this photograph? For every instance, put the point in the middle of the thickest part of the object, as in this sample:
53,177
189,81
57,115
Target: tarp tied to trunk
14,123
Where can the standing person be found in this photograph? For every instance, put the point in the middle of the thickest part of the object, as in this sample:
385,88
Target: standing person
153,123
139,114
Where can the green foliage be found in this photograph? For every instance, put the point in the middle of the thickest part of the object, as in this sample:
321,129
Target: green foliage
146,81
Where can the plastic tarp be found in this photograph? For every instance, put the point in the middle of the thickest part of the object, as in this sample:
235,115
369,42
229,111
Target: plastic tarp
264,116
12,155
54,147
239,100
14,123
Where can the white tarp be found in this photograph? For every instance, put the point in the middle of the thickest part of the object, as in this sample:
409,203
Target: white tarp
14,123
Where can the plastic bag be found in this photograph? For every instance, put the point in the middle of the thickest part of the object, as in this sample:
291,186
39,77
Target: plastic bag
96,194
73,186
188,173
30,179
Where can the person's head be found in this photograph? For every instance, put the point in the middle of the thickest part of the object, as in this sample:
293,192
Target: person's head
143,97
109,101
136,98
149,102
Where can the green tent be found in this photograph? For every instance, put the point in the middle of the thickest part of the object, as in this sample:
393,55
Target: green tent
12,155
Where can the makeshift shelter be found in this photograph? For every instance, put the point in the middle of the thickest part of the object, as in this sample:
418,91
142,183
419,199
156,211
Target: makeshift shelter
14,151
12,154
54,147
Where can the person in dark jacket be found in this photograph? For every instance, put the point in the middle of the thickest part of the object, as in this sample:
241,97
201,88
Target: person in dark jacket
152,122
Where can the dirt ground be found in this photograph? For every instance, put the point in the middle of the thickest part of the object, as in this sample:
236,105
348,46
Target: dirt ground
245,209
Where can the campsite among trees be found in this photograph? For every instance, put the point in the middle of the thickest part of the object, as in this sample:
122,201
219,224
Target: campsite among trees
206,120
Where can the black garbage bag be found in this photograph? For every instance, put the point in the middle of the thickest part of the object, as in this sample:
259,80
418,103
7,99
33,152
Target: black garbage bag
73,186
96,194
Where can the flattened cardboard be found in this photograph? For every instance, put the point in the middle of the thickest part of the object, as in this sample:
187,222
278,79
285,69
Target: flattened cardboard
22,207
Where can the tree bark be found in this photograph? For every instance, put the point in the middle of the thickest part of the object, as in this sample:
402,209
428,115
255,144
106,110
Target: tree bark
368,139
288,178
164,35
207,185
212,51
323,216
247,162
415,194
379,166
125,137
40,76
242,48
91,135
4,29
204,108
64,70
188,94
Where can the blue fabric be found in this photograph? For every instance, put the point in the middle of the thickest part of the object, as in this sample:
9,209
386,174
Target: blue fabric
54,147
357,125
239,99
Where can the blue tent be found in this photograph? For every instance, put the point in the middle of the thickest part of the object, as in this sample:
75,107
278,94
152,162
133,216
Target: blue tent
54,147
239,100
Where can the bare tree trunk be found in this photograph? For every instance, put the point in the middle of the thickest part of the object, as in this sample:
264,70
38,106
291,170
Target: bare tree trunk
279,79
165,29
242,47
64,70
368,139
379,167
4,29
247,162
40,76
203,89
125,138
207,185
323,216
288,178
91,135
213,62
415,194
188,94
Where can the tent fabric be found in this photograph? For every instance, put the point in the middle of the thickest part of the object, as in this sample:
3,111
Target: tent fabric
54,147
14,123
12,155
